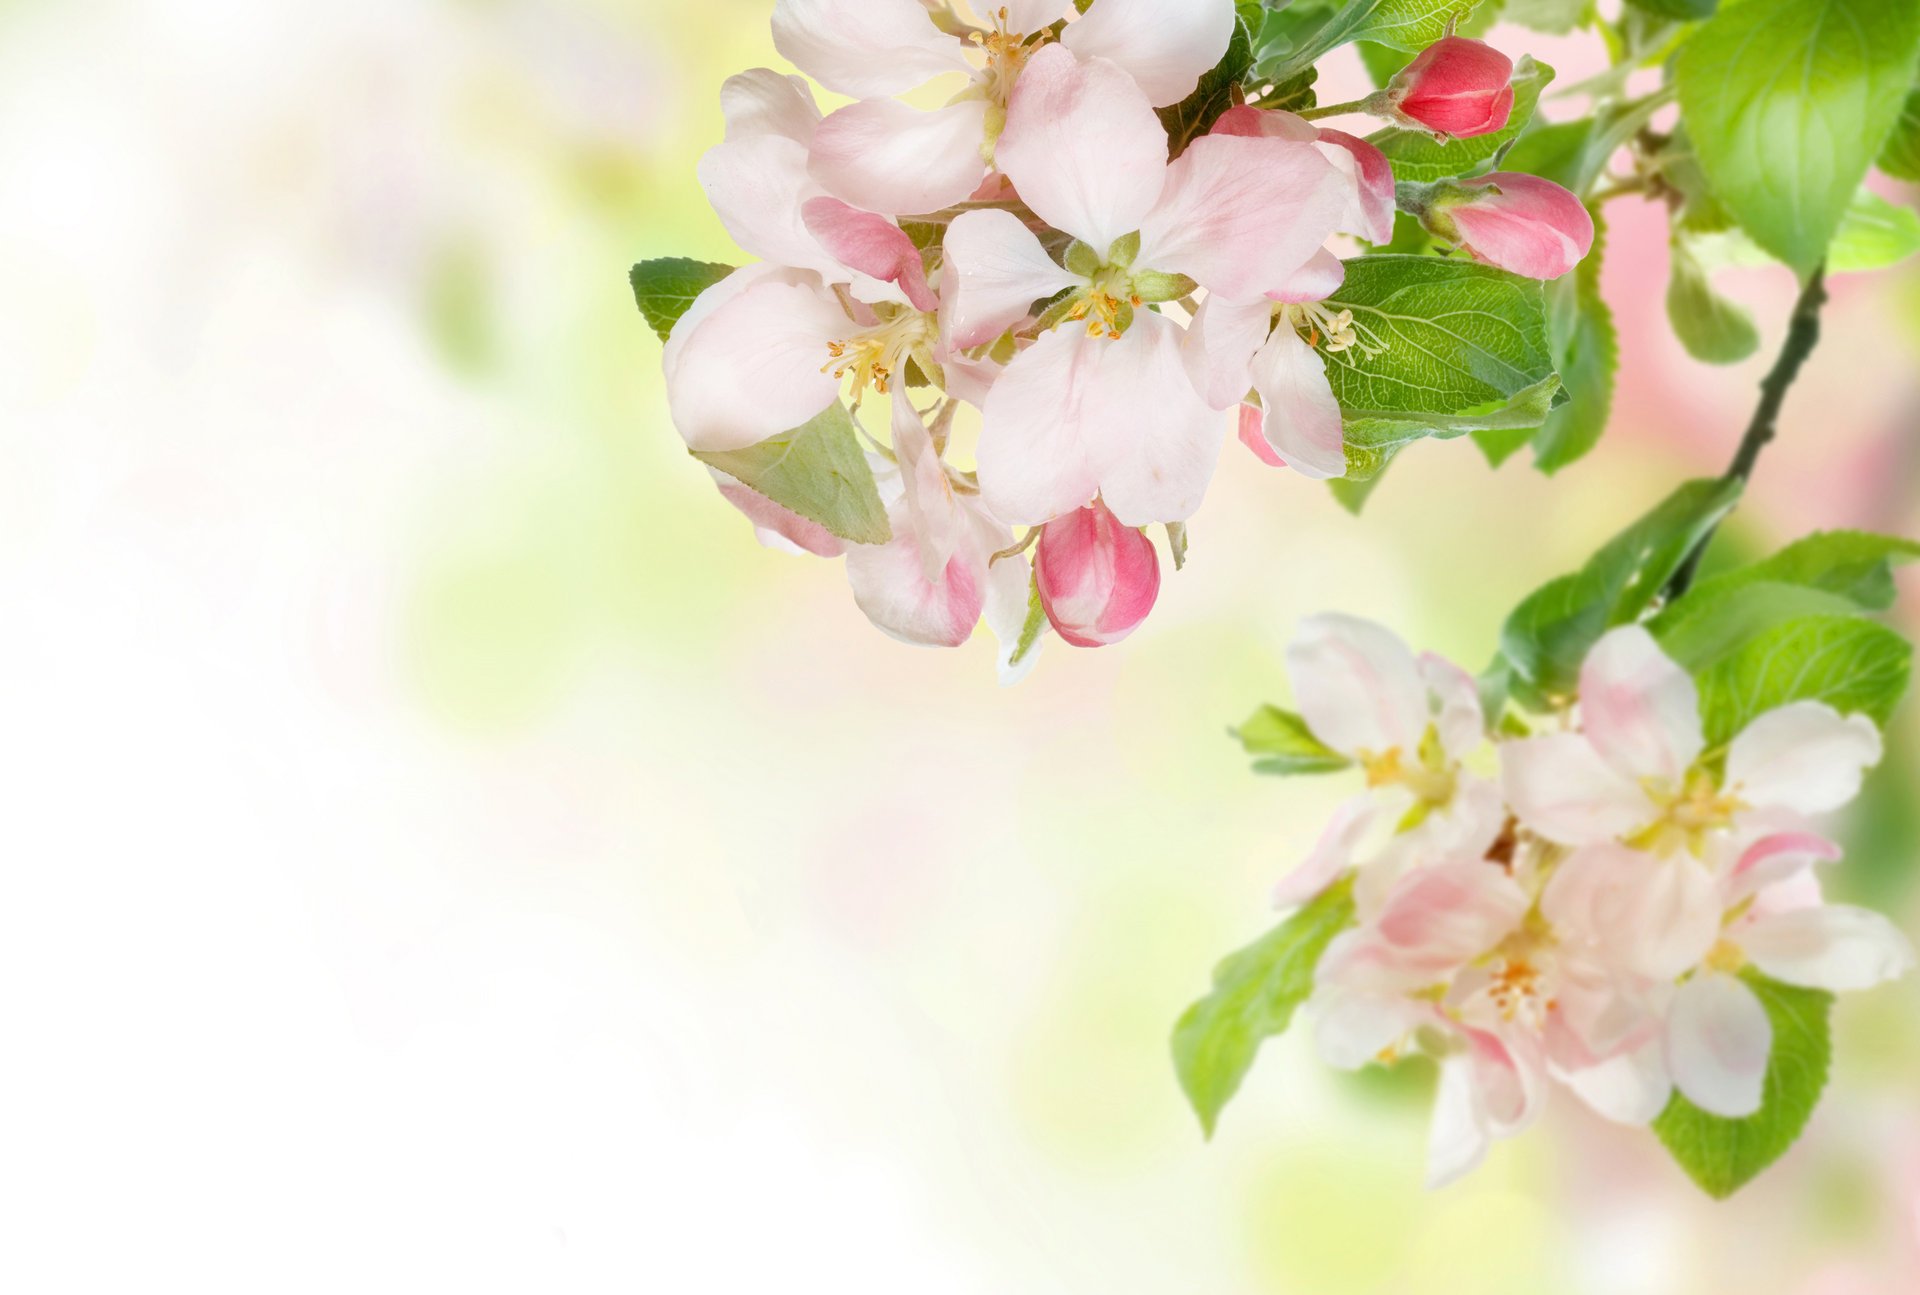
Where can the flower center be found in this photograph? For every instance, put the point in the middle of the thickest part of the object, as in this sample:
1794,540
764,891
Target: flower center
1332,331
874,357
1687,816
1105,312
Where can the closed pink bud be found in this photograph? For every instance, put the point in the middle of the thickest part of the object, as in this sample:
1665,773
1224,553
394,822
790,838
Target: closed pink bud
1098,578
1457,86
1516,221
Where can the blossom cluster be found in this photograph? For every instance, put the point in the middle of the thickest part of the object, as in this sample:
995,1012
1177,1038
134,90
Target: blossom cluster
1111,299
1583,907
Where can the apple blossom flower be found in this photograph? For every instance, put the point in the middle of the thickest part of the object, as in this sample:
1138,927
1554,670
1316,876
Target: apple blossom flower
883,155
1637,769
1097,578
1456,86
1410,723
1100,403
1519,222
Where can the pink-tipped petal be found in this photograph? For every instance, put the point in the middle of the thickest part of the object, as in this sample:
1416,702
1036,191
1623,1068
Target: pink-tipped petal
1640,710
884,156
1357,685
1166,48
1303,423
1242,216
1219,347
871,244
1332,854
1097,578
891,585
751,367
936,518
757,187
1560,787
996,271
1083,146
1718,1041
865,48
1265,123
1654,917
1838,948
764,102
778,528
1317,280
1776,857
1369,213
1804,756
1253,435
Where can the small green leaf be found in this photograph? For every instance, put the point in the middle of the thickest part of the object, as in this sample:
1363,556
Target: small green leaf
664,288
1724,1155
1194,116
819,471
1587,349
1901,157
1403,24
1418,157
1855,666
1548,635
1788,103
1033,627
1255,994
1283,744
1713,329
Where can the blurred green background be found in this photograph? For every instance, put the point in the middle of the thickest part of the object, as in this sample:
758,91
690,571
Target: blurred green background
445,852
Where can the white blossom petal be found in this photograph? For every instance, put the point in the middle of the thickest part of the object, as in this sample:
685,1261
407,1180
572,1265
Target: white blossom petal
865,48
883,156
1837,947
1640,710
996,270
1165,47
1357,685
1804,756
1718,1042
1560,787
764,102
1632,1088
1303,423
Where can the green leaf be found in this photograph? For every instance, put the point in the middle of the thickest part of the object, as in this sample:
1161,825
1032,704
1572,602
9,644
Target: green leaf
1724,1155
1788,103
1375,437
1418,157
1383,62
1587,349
1901,157
1682,10
1553,17
1553,150
664,288
819,471
1194,115
1283,744
1032,628
1853,565
1458,337
1548,635
1255,993
1873,235
1698,632
1403,24
1855,666
1713,329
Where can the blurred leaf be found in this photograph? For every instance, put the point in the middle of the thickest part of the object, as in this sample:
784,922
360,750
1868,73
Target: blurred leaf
1901,157
1285,745
1882,832
819,471
1548,635
1699,633
1713,329
1193,116
1554,17
1723,1155
664,288
1683,10
1554,151
1586,348
1856,565
1255,993
1383,62
1418,157
1855,666
1788,103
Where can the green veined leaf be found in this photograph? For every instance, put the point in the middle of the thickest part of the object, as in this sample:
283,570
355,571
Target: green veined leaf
819,471
1402,24
1713,329
1548,635
1282,743
1376,437
664,288
1724,1155
1418,157
1855,666
1698,633
1255,994
1788,103
1586,348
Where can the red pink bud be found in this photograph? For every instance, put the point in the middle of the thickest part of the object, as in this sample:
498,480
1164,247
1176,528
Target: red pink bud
1097,578
1516,221
1457,86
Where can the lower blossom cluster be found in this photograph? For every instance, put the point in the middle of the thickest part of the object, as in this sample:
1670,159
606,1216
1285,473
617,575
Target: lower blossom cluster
1580,908
1111,300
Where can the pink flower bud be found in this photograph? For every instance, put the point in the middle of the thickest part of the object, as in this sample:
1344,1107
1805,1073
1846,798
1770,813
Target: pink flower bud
1457,86
1098,578
1516,221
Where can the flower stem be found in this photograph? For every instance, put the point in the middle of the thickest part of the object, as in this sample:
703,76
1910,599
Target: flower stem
1803,334
1332,109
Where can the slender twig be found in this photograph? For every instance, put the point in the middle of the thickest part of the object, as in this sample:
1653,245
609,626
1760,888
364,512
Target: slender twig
1803,334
